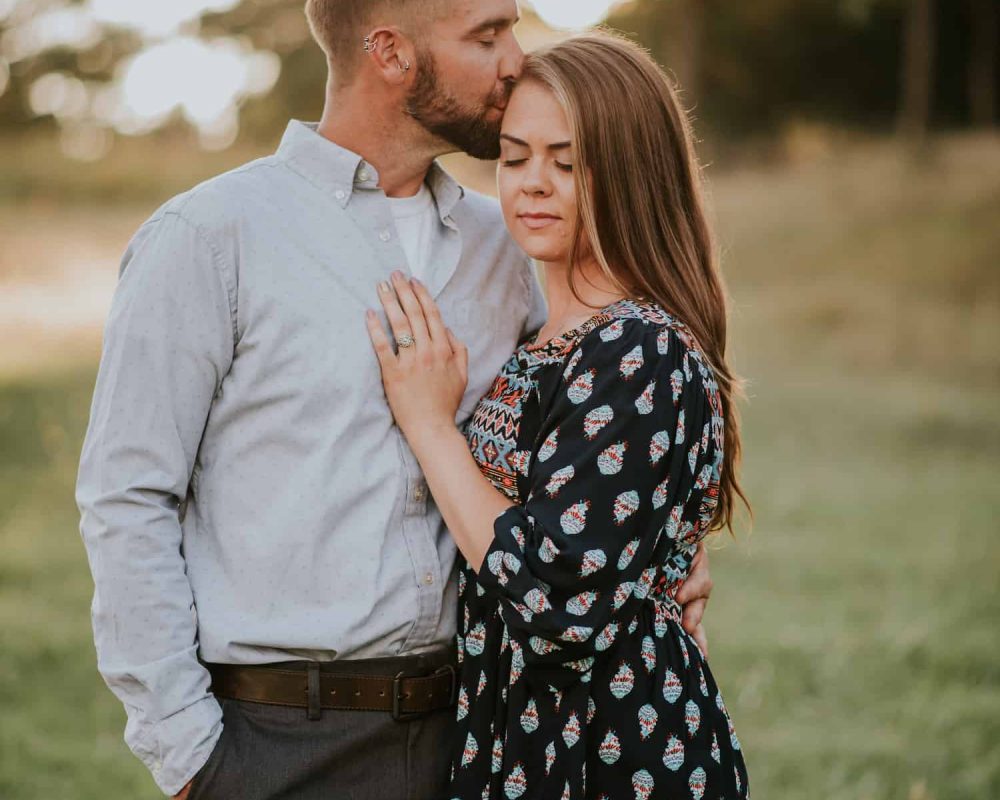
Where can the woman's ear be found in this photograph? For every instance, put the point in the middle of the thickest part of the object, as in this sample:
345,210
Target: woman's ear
391,52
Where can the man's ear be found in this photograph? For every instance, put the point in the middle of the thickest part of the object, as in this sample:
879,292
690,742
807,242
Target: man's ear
391,53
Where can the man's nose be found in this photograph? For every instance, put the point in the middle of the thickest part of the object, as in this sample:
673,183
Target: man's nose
512,63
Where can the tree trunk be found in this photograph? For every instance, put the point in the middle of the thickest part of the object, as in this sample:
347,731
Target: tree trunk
917,72
690,32
983,63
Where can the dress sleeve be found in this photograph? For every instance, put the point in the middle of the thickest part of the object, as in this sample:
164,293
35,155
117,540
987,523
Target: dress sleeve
624,457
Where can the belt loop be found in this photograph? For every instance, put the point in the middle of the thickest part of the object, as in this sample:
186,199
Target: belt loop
315,709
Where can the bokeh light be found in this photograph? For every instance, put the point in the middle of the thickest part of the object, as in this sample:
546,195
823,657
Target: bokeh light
154,19
205,80
73,27
572,14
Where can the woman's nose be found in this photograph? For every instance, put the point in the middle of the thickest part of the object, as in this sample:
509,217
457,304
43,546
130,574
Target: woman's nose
535,182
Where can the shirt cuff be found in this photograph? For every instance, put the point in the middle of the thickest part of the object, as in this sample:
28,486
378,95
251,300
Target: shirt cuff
175,748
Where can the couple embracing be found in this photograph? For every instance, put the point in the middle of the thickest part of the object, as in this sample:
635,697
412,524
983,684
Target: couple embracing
339,428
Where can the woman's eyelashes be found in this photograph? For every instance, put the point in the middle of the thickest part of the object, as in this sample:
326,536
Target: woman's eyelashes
517,162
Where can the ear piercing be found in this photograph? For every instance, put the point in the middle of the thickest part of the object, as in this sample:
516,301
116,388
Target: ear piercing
371,47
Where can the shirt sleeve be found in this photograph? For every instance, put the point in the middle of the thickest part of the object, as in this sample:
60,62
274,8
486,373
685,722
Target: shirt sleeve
624,457
168,345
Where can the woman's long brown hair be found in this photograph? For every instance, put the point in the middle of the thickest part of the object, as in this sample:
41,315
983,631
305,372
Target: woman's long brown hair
642,215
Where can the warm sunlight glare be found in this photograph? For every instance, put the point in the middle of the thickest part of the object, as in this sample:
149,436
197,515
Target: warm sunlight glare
572,14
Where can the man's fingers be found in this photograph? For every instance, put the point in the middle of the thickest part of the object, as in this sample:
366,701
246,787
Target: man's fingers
693,614
702,640
699,581
411,307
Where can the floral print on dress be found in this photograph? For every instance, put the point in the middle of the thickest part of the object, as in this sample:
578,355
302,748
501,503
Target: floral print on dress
578,680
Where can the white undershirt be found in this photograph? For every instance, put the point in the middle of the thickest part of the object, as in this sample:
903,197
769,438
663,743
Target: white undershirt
420,230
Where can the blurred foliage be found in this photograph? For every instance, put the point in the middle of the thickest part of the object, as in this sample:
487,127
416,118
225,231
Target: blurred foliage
747,68
755,66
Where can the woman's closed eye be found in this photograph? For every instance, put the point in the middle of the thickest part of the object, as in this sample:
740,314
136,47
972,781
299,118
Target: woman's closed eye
517,162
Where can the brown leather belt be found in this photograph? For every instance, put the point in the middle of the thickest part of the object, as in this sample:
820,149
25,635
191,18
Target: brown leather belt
406,694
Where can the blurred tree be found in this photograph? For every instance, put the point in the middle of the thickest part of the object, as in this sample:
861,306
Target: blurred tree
983,57
750,68
281,27
745,68
917,69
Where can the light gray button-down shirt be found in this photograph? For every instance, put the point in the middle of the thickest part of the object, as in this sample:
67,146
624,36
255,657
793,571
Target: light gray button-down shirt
244,493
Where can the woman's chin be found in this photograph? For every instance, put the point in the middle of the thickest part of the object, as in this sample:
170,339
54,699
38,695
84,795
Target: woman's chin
541,251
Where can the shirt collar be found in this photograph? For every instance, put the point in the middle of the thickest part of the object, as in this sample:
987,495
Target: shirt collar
342,172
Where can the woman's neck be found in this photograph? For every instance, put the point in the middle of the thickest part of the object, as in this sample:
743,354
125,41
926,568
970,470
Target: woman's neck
566,311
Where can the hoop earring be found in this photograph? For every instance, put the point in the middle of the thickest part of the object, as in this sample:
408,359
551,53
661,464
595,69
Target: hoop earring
369,47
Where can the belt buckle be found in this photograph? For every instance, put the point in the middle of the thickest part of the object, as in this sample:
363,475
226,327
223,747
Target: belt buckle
397,696
453,689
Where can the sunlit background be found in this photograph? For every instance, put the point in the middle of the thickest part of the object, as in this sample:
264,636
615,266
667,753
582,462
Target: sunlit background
171,69
853,173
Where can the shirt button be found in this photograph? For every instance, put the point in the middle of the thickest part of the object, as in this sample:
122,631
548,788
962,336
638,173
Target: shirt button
428,579
385,236
364,175
340,194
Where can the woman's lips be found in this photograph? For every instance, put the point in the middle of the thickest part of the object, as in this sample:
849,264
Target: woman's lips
538,221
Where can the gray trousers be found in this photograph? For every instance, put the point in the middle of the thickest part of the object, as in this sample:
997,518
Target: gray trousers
275,753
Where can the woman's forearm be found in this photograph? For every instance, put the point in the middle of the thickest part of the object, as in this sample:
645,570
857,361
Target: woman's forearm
467,500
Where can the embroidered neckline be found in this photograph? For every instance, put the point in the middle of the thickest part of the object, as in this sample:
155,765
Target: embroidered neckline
562,343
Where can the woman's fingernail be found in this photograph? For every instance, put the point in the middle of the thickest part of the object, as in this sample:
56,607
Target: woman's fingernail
383,287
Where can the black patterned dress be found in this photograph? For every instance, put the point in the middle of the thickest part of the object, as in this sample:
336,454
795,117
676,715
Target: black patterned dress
577,679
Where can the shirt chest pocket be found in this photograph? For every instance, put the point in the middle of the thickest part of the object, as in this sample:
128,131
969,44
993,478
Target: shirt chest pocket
481,327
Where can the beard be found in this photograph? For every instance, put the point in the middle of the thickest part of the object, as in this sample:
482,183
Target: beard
443,115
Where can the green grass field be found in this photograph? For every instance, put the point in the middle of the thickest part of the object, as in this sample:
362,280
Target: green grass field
854,631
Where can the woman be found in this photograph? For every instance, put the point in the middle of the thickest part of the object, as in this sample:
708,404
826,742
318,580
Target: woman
596,464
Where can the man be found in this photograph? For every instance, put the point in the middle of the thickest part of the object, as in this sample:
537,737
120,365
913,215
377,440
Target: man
275,597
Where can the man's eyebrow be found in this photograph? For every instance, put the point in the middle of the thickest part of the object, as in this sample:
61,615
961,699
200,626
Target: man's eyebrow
522,143
498,23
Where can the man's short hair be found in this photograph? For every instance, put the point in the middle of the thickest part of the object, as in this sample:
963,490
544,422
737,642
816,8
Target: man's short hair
339,26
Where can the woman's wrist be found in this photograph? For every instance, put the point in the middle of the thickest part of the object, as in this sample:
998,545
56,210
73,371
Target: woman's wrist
427,435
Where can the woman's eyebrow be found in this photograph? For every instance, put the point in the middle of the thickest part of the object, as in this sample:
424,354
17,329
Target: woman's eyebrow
522,143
